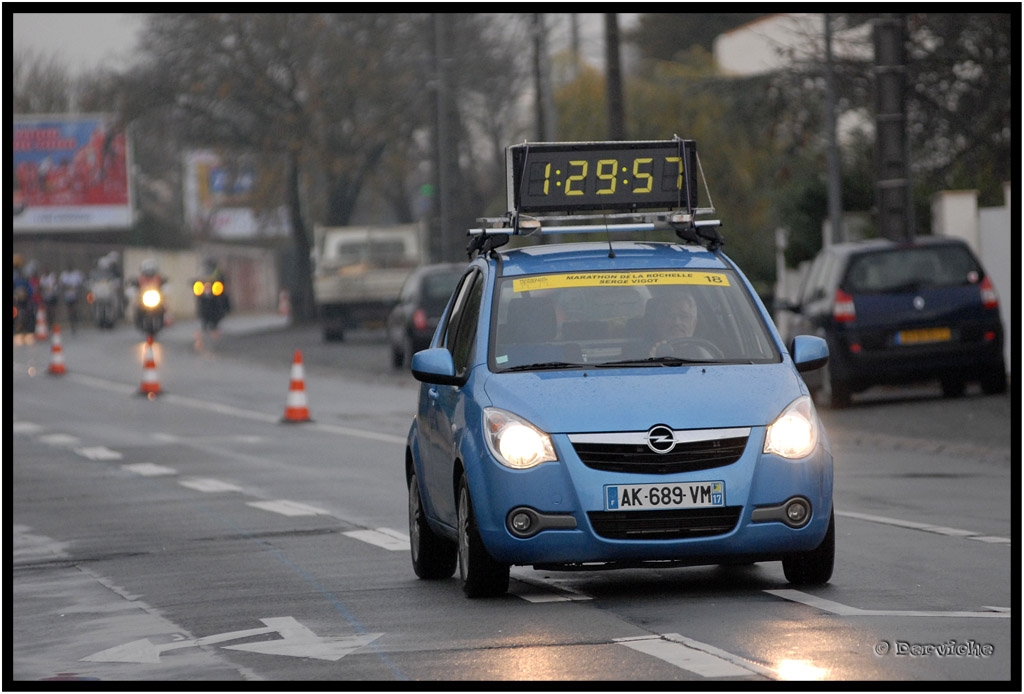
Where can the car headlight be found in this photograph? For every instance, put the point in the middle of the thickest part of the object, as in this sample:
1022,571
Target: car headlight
515,442
794,433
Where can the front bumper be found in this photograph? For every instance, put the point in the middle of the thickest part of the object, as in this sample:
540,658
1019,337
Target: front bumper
566,499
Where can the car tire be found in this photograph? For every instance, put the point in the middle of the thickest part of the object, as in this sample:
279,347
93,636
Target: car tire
835,391
813,567
407,351
994,381
433,557
480,575
953,387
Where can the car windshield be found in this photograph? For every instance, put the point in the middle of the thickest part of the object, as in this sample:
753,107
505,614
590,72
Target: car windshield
910,269
633,318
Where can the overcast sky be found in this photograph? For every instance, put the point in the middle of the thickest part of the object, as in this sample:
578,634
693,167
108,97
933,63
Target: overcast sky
80,41
88,41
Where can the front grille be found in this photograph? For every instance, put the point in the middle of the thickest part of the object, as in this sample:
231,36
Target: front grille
664,525
638,458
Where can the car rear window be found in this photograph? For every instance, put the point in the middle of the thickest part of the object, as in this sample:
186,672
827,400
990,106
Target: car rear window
909,269
439,287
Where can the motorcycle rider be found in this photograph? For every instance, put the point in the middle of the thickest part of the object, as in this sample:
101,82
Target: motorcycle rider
105,291
212,302
149,277
24,317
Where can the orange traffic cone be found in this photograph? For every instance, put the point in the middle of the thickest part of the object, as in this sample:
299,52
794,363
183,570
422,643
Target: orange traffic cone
41,332
150,383
295,409
56,353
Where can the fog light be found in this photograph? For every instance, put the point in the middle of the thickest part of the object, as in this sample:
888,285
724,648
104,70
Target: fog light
797,512
521,523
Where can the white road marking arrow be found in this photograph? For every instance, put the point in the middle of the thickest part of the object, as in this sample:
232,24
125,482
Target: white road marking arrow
299,641
296,640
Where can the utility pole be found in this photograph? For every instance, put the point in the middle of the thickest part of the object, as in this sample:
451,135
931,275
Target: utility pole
545,104
443,242
616,109
892,181
574,42
835,195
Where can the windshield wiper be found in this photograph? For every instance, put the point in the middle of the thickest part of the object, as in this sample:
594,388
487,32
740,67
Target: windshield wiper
545,366
649,361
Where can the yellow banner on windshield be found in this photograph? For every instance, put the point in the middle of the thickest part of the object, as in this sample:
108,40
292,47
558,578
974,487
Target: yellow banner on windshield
619,279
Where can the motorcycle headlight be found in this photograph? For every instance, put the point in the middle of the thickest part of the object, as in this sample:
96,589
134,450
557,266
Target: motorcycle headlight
151,298
794,433
197,288
218,288
515,442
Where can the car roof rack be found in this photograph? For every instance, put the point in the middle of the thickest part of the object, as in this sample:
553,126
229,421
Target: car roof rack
618,186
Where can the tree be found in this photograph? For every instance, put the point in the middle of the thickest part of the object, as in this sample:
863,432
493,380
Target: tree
958,104
317,96
39,84
334,104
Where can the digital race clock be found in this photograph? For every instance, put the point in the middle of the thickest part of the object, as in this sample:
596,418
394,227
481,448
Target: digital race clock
571,176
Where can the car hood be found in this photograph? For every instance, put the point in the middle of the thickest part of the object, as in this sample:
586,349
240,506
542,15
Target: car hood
693,397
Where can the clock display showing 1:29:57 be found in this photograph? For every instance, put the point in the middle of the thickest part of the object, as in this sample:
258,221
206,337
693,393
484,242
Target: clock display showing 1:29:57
603,175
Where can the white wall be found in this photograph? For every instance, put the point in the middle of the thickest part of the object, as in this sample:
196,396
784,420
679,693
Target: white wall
987,231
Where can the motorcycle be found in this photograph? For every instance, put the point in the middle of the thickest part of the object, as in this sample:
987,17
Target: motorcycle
212,302
149,308
105,298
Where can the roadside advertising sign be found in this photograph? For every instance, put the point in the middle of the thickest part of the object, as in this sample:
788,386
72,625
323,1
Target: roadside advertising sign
225,198
71,174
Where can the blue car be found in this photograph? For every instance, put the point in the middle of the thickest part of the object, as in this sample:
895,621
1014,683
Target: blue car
613,404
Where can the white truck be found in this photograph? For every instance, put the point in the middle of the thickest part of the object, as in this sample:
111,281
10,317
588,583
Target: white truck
358,273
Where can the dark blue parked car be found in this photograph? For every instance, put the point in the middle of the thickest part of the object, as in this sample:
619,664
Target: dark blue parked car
896,313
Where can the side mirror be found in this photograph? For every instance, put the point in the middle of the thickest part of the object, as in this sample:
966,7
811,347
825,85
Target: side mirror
809,352
435,366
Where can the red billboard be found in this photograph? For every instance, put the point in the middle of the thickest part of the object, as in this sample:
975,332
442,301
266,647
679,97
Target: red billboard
71,174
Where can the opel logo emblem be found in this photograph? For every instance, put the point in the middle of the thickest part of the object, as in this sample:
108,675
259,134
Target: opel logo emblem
918,302
661,439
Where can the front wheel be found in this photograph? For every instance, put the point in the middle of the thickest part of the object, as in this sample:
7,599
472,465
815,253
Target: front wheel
815,566
834,390
433,557
480,575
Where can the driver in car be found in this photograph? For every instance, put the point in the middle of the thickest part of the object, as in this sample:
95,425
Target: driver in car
671,320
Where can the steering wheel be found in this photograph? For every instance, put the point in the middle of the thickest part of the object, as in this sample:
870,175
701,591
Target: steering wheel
691,348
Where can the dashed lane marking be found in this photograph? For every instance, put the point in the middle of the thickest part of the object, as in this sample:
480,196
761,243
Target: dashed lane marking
150,469
62,440
207,485
925,527
98,453
288,508
842,610
25,428
382,537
